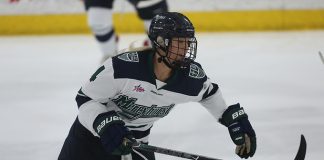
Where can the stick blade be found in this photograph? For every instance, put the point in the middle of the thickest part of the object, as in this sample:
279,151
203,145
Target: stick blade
302,149
321,56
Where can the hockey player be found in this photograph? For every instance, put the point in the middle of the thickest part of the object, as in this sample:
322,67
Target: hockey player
99,15
129,92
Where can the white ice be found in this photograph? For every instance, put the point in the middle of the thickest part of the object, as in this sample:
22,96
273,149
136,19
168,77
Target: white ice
278,77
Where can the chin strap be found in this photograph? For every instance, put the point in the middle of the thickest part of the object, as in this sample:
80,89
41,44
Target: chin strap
160,59
163,59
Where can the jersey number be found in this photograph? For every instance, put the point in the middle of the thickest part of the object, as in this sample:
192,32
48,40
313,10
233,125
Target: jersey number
94,76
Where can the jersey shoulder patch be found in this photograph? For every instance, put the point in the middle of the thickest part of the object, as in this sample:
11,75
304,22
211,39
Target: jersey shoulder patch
129,57
195,71
133,65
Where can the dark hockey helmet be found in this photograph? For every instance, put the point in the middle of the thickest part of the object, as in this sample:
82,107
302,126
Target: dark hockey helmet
174,34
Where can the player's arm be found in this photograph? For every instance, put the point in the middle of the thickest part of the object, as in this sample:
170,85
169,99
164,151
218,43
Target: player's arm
97,113
233,117
211,98
94,95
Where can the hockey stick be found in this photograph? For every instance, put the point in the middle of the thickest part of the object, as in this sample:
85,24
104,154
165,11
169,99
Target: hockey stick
321,56
170,152
300,154
302,149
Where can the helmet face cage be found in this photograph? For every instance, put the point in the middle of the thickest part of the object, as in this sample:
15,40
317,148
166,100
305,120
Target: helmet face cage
180,52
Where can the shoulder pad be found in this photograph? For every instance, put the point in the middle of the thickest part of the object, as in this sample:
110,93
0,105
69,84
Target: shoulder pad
196,71
129,57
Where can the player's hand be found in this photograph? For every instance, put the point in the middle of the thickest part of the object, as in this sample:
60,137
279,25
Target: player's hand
247,149
240,130
113,133
126,147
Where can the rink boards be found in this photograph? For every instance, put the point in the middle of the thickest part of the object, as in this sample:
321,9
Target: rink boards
206,21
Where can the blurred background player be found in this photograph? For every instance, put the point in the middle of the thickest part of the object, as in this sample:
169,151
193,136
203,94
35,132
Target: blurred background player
99,15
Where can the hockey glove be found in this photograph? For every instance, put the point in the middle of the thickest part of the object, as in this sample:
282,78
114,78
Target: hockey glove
240,130
114,136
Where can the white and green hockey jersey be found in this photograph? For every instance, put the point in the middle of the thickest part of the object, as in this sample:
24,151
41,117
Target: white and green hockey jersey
127,84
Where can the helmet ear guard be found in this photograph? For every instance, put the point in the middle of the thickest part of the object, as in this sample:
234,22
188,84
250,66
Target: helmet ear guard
164,47
160,41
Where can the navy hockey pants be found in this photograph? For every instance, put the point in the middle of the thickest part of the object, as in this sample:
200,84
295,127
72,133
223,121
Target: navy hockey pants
82,145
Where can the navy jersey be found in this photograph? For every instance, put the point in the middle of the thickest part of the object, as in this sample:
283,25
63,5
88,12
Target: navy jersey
127,84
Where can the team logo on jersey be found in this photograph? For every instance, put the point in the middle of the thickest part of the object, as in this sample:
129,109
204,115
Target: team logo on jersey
129,57
130,110
196,72
138,89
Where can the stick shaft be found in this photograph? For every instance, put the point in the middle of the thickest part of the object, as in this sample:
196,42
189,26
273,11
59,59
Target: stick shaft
170,152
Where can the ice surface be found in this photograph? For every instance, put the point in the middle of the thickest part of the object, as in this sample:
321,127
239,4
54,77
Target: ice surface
277,76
